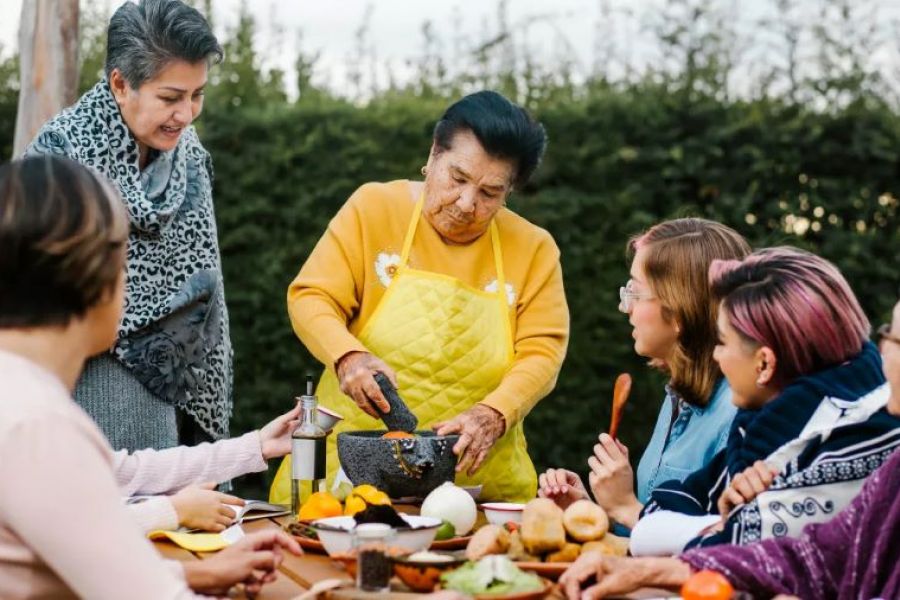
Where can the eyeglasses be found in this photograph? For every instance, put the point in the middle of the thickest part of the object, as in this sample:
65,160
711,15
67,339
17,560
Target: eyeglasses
884,334
627,296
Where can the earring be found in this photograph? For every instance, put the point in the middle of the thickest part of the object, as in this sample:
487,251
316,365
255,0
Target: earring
424,171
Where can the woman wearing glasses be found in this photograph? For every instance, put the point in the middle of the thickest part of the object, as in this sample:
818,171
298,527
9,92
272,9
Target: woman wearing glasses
669,305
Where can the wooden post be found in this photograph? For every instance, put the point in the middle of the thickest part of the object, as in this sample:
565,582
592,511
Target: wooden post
48,64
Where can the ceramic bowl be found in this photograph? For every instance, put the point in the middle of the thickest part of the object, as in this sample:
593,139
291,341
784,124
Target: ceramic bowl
423,576
500,513
327,418
407,467
334,533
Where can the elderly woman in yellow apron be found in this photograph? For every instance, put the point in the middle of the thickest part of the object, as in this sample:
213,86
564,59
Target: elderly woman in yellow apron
454,297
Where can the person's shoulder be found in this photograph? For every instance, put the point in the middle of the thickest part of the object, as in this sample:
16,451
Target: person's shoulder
382,197
30,395
521,232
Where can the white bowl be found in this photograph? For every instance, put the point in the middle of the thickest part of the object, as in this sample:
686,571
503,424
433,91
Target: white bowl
500,513
326,418
334,533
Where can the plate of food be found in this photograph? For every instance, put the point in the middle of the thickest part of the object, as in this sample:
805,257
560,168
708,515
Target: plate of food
549,539
306,536
495,577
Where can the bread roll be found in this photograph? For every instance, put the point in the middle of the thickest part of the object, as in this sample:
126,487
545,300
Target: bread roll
585,521
517,550
568,553
610,545
542,527
490,539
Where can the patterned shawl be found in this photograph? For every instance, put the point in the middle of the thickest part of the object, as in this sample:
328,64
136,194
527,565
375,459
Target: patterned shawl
174,334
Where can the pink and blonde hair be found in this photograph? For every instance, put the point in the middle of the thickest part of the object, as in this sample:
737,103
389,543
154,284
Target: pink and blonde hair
794,302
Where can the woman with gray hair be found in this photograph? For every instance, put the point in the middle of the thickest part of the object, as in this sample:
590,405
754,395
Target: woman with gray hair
168,378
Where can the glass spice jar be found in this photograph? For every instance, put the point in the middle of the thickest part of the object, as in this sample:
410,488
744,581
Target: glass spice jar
373,563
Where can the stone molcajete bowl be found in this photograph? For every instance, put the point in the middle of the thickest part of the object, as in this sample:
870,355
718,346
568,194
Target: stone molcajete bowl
400,467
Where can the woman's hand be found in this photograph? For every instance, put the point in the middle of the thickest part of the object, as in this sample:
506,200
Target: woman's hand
562,486
612,480
356,374
479,428
252,560
275,437
615,575
201,507
746,486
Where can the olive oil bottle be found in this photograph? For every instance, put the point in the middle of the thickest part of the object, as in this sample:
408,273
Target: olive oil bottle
307,452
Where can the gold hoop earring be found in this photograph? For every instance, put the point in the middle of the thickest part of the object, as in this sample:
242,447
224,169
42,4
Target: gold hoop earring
424,171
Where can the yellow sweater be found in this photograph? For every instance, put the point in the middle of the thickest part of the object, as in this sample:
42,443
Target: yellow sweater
346,275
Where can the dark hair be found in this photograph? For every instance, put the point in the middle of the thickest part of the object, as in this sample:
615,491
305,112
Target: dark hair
144,37
63,233
504,129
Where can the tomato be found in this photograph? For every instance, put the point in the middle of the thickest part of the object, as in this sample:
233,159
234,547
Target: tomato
706,585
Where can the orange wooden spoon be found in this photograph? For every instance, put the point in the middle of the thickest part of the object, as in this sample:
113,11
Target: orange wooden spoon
620,398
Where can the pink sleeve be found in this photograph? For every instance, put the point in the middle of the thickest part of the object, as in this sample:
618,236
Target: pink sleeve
61,499
156,512
166,471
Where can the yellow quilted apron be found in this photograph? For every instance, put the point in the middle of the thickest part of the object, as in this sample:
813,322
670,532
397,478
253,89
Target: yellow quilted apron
450,345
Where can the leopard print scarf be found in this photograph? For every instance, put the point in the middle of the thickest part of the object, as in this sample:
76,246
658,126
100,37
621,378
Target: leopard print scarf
174,334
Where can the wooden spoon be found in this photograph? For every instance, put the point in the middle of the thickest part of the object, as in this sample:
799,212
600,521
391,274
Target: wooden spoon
620,398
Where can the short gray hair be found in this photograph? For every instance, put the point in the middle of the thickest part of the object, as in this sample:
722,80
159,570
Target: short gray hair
144,36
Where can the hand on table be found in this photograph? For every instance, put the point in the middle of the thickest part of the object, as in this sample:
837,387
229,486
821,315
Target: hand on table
253,560
612,480
479,428
745,486
356,374
201,507
275,437
616,575
562,486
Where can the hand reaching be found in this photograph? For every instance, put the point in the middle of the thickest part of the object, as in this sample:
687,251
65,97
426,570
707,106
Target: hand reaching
562,486
201,507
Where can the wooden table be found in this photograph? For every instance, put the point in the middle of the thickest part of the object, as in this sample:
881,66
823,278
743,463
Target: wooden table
298,573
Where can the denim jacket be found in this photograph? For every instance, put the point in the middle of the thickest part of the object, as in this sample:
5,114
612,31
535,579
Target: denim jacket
680,447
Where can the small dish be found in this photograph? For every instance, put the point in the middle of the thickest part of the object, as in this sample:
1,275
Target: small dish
327,419
335,533
454,543
304,536
424,575
551,571
533,595
500,513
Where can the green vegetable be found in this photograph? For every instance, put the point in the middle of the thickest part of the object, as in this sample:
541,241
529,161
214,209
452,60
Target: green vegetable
445,531
491,575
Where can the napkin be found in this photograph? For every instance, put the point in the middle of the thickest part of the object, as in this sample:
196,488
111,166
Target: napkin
199,541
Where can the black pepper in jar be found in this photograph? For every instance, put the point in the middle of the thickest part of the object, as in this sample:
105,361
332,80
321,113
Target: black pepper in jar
374,568
373,565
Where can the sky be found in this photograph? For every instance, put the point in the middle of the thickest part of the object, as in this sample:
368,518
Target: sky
577,31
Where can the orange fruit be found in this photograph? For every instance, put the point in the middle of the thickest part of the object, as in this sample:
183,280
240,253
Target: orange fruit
706,585
319,506
397,435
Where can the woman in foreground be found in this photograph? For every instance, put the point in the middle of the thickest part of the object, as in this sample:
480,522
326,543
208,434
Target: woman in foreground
64,531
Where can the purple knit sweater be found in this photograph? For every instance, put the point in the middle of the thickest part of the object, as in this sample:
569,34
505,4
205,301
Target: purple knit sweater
855,555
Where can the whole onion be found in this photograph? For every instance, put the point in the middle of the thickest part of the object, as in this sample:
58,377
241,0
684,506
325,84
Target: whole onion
451,503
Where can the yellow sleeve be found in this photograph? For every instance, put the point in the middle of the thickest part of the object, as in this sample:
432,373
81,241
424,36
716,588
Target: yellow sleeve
542,334
325,295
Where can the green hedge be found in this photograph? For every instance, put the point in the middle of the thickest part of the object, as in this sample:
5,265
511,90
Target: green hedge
618,161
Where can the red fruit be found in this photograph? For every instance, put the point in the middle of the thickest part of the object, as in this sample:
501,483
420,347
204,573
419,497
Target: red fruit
706,585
